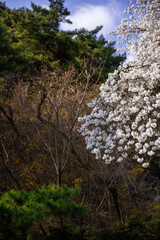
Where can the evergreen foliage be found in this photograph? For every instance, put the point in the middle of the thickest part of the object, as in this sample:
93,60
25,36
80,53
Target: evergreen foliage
11,57
31,39
22,210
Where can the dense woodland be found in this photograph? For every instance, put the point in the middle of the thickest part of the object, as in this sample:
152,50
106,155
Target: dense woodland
51,187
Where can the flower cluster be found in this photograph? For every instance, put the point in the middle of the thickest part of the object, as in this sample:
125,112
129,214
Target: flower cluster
125,120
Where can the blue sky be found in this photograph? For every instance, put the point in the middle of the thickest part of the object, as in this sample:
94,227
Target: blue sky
86,13
71,4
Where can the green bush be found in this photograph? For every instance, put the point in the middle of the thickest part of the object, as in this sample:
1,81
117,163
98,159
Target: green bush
21,211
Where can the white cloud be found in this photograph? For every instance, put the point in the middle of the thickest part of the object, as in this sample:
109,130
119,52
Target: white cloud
45,6
90,16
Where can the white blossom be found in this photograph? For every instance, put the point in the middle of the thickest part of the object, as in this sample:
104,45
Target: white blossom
125,119
140,160
145,165
151,153
120,159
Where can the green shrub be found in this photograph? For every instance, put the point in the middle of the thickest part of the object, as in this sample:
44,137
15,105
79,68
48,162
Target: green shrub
21,211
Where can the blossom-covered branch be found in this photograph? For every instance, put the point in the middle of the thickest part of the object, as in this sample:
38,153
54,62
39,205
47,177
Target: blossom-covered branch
125,120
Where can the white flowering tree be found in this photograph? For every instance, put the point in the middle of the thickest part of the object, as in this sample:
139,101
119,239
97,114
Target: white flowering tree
125,120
